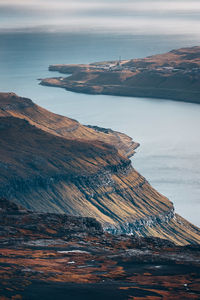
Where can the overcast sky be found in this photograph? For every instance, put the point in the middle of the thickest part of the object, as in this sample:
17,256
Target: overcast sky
129,16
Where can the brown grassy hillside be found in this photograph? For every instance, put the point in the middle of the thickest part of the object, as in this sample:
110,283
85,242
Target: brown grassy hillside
174,75
47,172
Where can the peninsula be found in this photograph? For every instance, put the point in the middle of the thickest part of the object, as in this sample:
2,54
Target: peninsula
174,75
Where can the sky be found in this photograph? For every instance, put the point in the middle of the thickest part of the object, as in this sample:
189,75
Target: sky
128,16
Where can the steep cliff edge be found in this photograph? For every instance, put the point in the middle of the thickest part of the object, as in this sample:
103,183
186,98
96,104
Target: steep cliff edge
45,171
174,75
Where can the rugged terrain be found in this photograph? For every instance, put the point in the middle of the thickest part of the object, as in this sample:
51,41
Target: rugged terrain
48,165
174,75
54,256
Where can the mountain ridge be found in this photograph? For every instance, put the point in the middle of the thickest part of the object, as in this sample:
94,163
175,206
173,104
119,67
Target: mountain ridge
47,172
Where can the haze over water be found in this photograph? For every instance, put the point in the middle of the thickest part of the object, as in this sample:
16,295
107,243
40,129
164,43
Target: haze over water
35,34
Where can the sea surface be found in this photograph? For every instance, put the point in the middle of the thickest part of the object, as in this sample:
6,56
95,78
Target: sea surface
168,131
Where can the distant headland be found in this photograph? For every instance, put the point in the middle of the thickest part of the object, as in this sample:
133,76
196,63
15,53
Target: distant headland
174,75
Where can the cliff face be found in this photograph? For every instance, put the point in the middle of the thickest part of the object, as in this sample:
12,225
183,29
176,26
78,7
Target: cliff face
44,170
174,75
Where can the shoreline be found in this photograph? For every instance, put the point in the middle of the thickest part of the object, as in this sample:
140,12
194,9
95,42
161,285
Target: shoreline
170,76
90,91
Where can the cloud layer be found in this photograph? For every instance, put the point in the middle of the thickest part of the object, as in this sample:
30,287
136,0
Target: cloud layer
142,17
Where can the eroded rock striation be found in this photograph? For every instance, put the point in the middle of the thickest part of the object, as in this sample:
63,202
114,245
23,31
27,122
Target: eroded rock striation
51,163
174,75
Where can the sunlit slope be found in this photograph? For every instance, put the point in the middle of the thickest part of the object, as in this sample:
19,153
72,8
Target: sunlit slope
12,105
82,177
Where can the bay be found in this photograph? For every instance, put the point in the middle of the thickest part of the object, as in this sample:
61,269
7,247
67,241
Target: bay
168,131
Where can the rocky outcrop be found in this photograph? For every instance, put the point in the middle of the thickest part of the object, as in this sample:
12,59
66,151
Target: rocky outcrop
14,219
174,75
49,256
44,171
139,225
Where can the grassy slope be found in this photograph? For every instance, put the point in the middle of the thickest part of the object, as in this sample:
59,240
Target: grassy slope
84,177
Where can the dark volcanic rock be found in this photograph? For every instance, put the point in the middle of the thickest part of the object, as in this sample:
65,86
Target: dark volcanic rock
28,223
50,256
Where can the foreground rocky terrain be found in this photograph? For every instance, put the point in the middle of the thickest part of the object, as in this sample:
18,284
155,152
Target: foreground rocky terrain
54,256
50,163
174,75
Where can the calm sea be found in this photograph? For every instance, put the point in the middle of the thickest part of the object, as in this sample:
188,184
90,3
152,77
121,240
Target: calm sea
168,131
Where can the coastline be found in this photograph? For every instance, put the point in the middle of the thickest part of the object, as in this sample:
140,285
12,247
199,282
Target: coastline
173,76
174,95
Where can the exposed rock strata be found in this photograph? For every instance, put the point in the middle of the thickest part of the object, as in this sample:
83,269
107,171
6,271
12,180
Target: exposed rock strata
140,224
50,172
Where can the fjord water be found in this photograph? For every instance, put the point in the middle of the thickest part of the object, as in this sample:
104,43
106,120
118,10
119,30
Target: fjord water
168,131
